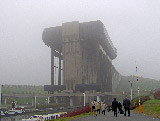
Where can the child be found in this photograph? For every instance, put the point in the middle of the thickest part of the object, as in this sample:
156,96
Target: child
103,106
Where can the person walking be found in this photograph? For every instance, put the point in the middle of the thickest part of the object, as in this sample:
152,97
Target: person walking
13,105
98,107
103,106
94,106
126,104
115,106
120,108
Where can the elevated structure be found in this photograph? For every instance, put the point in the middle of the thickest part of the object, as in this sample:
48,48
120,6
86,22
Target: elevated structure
81,58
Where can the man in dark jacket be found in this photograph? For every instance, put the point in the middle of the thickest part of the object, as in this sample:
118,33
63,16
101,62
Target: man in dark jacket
115,106
126,104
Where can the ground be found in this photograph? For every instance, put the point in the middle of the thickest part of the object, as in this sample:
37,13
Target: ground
109,117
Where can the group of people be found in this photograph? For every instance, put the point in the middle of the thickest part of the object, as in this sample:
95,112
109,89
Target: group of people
126,104
100,106
97,107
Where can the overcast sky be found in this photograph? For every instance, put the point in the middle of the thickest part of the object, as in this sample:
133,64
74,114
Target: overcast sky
133,26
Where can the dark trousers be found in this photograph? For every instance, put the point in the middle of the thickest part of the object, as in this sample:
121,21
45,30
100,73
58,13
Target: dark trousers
103,111
98,110
115,112
127,109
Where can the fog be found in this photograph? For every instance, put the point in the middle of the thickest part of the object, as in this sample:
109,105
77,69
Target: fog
133,26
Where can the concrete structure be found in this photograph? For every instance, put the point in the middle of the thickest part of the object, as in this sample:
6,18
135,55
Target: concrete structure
81,60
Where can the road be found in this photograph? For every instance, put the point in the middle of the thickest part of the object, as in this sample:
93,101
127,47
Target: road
109,117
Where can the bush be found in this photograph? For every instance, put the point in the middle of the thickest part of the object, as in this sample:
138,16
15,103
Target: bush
157,95
135,101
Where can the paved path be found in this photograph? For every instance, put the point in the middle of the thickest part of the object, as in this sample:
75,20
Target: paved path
109,117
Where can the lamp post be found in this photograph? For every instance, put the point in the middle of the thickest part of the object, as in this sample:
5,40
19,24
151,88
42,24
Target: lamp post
131,88
35,101
84,100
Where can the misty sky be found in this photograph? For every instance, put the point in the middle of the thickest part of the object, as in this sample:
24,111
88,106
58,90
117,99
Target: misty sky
133,26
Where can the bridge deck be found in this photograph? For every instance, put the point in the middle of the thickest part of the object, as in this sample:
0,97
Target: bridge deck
67,95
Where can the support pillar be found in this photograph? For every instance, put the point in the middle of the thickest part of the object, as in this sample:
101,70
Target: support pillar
59,71
52,66
48,100
5,100
98,99
32,101
56,99
71,101
35,101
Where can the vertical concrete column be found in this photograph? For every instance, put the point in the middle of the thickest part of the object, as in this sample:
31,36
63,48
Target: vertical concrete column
71,101
56,99
52,66
32,101
59,73
35,101
48,100
98,99
5,100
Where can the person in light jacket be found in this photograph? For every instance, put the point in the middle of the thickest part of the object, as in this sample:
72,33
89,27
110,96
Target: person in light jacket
103,106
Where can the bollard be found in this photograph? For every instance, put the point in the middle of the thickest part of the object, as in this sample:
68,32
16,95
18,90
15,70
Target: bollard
140,109
91,109
136,108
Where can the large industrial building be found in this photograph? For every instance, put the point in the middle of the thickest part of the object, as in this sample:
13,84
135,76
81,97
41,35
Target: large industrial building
81,61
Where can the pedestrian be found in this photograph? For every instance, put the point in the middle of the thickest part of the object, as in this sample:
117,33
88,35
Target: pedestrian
98,107
115,106
119,107
103,106
95,109
126,104
93,106
13,105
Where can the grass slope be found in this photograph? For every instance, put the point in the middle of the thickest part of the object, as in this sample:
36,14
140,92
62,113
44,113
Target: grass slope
152,107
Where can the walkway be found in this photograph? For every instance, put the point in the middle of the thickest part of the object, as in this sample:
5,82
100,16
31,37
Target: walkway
109,117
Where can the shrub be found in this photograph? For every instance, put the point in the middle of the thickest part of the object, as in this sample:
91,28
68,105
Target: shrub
135,101
157,95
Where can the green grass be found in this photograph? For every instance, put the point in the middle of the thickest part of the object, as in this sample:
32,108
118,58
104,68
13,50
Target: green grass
72,118
152,107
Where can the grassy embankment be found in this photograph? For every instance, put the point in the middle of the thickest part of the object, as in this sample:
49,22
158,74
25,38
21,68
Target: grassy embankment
152,107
